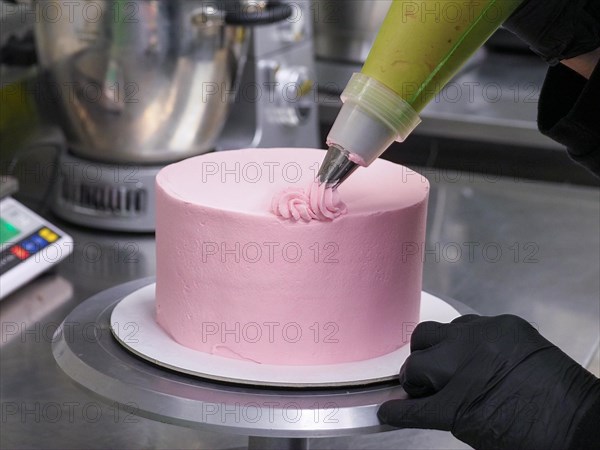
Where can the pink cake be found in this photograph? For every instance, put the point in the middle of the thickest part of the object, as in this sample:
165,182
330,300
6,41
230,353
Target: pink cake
236,280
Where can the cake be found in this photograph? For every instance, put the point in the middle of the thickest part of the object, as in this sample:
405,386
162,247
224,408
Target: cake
244,271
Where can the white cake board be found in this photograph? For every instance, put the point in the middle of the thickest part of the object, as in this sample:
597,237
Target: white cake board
133,324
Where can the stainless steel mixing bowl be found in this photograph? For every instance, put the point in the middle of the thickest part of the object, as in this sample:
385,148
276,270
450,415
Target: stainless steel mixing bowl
141,81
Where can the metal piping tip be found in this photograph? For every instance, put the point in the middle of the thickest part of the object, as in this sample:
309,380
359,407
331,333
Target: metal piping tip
336,167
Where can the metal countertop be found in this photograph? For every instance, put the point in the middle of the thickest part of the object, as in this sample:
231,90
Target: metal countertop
499,245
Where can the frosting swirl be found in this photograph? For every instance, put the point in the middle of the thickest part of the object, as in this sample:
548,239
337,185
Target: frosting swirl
318,202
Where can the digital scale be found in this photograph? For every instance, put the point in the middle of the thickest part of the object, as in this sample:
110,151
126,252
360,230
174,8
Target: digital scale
29,244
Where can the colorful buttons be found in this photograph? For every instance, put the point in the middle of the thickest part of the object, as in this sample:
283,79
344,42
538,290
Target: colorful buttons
48,235
40,241
30,246
19,252
34,244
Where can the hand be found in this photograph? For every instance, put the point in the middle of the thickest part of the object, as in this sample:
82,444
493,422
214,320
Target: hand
584,64
558,29
494,382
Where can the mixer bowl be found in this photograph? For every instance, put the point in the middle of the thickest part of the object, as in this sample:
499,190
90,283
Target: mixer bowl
139,81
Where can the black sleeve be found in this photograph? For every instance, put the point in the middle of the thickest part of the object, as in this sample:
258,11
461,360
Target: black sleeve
569,113
557,29
587,434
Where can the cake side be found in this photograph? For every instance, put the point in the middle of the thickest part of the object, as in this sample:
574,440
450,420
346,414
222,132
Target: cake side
252,286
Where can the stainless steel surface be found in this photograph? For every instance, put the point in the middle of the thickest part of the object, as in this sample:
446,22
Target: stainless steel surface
547,272
495,101
345,31
335,168
258,443
522,247
139,81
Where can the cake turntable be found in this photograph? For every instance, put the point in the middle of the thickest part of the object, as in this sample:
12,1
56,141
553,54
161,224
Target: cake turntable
273,417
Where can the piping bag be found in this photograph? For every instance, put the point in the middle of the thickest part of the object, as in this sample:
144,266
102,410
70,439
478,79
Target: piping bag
419,48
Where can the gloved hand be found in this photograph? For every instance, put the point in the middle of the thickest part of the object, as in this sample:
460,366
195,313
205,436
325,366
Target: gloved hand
494,382
557,29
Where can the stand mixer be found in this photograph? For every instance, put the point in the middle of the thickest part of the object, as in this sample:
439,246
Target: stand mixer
147,83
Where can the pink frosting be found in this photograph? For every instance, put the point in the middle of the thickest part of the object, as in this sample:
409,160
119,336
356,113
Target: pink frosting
235,280
357,159
317,202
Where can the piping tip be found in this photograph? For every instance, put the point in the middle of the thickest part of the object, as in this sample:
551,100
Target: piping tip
336,167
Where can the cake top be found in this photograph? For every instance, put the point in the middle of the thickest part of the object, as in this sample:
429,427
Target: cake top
246,181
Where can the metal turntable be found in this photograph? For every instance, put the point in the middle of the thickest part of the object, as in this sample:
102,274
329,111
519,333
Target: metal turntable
273,417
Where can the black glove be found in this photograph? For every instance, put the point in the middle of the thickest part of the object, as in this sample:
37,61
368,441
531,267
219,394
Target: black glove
495,383
557,29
